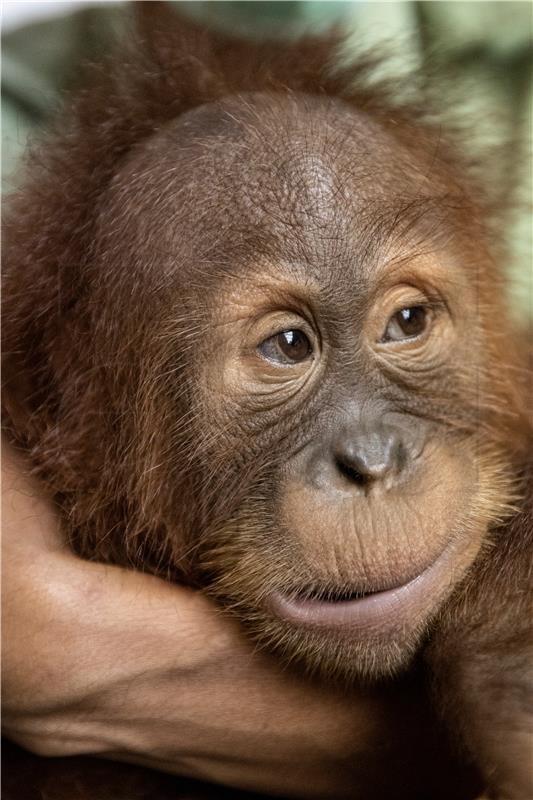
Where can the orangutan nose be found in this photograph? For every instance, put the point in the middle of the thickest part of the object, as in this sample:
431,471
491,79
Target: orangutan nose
366,456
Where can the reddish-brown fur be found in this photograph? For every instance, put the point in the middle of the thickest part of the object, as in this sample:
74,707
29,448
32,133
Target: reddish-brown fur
105,409
483,657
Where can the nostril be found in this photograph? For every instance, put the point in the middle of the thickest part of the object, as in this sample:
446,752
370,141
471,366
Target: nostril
352,474
365,457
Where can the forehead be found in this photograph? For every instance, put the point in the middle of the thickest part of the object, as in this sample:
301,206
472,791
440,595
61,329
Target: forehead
298,179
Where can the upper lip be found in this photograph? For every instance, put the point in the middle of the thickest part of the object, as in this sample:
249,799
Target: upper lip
342,592
330,594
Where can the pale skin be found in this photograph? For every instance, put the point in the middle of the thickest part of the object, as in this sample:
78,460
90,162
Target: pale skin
105,661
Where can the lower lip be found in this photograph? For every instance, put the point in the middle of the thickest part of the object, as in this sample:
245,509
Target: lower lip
379,612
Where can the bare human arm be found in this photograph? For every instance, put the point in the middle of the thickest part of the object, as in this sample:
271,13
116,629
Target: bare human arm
107,661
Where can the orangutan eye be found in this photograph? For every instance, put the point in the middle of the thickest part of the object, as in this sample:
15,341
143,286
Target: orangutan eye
407,323
287,347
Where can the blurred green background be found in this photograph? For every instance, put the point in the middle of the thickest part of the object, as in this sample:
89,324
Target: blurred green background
487,48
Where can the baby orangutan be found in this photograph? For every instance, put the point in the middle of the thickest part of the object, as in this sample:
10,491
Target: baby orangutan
247,296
